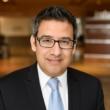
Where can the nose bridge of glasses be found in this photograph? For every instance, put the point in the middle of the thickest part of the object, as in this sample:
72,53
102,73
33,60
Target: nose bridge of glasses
58,43
56,49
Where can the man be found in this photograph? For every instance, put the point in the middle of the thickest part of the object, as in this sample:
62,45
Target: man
53,41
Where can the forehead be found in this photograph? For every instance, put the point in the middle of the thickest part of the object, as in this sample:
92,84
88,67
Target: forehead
54,21
55,27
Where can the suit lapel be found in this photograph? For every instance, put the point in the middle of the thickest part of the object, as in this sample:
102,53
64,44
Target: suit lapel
34,89
35,93
73,91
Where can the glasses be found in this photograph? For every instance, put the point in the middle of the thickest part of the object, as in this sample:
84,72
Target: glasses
63,43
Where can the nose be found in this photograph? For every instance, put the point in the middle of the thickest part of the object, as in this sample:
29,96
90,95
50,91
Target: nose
56,50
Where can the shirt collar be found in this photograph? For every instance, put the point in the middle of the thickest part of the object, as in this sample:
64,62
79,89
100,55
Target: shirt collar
43,78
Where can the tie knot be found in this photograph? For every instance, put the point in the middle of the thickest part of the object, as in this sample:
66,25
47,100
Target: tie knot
53,83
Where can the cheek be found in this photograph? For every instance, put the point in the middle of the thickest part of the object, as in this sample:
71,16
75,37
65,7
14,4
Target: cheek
40,52
68,56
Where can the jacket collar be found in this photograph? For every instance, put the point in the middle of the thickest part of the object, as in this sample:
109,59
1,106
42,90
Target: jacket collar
73,90
36,94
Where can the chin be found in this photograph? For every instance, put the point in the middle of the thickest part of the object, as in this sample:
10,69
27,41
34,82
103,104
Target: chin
56,72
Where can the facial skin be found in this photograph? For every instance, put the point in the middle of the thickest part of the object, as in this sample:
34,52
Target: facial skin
53,61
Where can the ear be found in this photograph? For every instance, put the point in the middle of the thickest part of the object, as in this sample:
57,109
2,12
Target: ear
33,43
74,49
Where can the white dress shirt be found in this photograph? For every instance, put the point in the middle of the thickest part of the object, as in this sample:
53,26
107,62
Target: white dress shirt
43,78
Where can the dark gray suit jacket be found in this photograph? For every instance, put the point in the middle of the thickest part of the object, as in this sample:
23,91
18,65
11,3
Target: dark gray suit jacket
21,90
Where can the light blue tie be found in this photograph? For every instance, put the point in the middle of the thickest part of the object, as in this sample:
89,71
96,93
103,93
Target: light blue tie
55,102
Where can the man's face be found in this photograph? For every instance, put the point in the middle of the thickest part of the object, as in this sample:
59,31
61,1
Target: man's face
55,60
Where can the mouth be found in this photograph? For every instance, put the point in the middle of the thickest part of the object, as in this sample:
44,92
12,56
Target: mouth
54,61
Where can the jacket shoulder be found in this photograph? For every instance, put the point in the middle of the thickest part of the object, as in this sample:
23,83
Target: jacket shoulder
82,76
16,75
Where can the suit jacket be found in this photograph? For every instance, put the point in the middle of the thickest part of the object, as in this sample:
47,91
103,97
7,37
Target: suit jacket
21,90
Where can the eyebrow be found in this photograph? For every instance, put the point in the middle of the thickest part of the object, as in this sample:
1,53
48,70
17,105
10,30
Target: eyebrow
49,36
68,38
46,36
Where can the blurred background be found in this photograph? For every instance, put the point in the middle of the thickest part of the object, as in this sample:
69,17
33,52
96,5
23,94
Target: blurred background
93,48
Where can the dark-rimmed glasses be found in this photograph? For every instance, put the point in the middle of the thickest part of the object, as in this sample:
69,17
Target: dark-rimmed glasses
63,43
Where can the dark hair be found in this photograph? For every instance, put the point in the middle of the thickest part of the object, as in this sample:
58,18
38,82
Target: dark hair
57,13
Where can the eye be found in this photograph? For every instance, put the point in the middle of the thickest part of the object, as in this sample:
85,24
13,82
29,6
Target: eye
46,40
65,42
